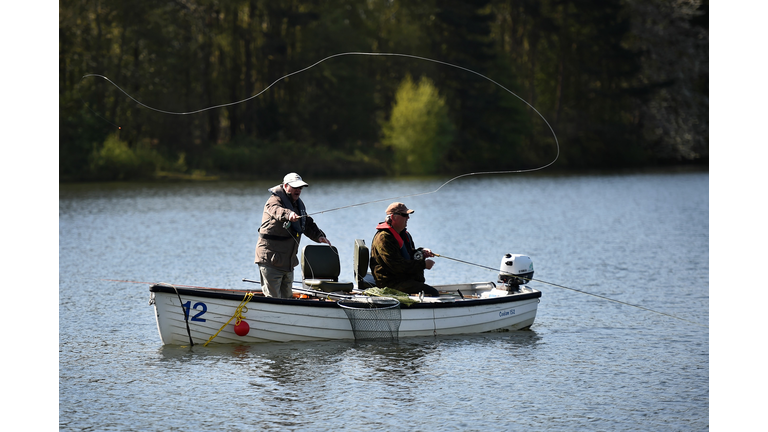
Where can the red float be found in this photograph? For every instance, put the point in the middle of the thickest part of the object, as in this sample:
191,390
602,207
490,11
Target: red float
242,328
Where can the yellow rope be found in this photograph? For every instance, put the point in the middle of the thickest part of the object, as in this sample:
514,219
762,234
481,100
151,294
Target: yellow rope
238,314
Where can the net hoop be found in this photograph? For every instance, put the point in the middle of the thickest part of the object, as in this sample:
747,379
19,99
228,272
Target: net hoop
369,303
373,318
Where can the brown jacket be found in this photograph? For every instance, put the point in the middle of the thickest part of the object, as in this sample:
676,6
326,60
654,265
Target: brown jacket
388,263
278,246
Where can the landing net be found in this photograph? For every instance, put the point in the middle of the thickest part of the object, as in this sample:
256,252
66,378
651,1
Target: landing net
373,318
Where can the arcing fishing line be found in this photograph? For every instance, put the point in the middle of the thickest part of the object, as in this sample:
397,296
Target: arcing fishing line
557,144
310,67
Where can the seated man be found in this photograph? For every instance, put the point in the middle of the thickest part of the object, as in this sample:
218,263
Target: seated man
395,262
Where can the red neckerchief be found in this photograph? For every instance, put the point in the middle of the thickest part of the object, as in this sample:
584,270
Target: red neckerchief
385,226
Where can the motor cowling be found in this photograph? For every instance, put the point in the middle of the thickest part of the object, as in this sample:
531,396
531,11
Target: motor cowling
515,270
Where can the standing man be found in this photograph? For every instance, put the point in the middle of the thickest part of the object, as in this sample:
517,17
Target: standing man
283,222
395,262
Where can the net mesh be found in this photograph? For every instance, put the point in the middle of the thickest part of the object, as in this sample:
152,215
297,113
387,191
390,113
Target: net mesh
373,319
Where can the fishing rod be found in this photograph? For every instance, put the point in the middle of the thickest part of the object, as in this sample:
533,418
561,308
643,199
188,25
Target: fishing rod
572,289
327,296
431,192
313,293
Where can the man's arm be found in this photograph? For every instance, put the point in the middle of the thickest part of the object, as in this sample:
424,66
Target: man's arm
274,208
314,232
390,257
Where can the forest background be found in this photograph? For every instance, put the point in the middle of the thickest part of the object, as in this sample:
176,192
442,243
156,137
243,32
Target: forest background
623,83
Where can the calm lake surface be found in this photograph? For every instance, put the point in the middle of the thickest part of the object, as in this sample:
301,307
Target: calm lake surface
586,364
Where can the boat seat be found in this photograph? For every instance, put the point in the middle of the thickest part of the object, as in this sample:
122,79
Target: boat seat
360,266
320,268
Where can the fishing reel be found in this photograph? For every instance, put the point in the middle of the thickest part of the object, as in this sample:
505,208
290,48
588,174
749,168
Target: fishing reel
419,254
515,270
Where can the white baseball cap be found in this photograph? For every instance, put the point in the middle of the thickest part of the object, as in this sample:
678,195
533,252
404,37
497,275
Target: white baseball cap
294,180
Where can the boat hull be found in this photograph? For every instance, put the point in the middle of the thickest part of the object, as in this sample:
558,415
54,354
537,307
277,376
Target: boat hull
210,312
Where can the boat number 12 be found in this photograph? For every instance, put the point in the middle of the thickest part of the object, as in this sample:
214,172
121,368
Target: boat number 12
203,309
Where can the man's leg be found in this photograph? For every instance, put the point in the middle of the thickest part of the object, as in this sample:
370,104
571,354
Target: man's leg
415,287
286,286
272,281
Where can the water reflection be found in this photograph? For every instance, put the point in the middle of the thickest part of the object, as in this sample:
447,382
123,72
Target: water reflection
574,370
276,370
285,365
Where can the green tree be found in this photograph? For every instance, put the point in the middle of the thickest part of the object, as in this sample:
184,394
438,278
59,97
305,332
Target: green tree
419,130
488,120
673,41
620,81
580,75
116,161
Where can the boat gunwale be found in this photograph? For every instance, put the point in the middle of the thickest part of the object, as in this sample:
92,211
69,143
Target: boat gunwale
230,294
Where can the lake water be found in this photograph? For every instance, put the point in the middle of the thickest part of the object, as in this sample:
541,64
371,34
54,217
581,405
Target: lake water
586,364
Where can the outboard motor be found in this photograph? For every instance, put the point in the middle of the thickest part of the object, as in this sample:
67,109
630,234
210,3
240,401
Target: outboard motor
515,270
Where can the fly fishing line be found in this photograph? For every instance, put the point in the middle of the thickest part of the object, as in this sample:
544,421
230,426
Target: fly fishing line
557,144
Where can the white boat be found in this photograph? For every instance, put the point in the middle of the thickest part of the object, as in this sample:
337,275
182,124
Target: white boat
325,309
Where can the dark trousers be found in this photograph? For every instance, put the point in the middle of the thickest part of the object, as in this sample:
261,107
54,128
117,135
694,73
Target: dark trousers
415,287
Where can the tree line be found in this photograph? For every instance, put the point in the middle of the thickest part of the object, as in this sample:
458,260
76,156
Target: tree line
621,82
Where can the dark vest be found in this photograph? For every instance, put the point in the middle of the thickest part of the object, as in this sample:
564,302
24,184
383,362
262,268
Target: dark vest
405,246
295,228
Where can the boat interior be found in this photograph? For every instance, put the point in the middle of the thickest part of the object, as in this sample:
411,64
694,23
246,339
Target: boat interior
321,267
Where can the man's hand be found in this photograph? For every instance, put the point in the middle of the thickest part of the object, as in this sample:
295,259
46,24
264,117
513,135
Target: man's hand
324,240
429,263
